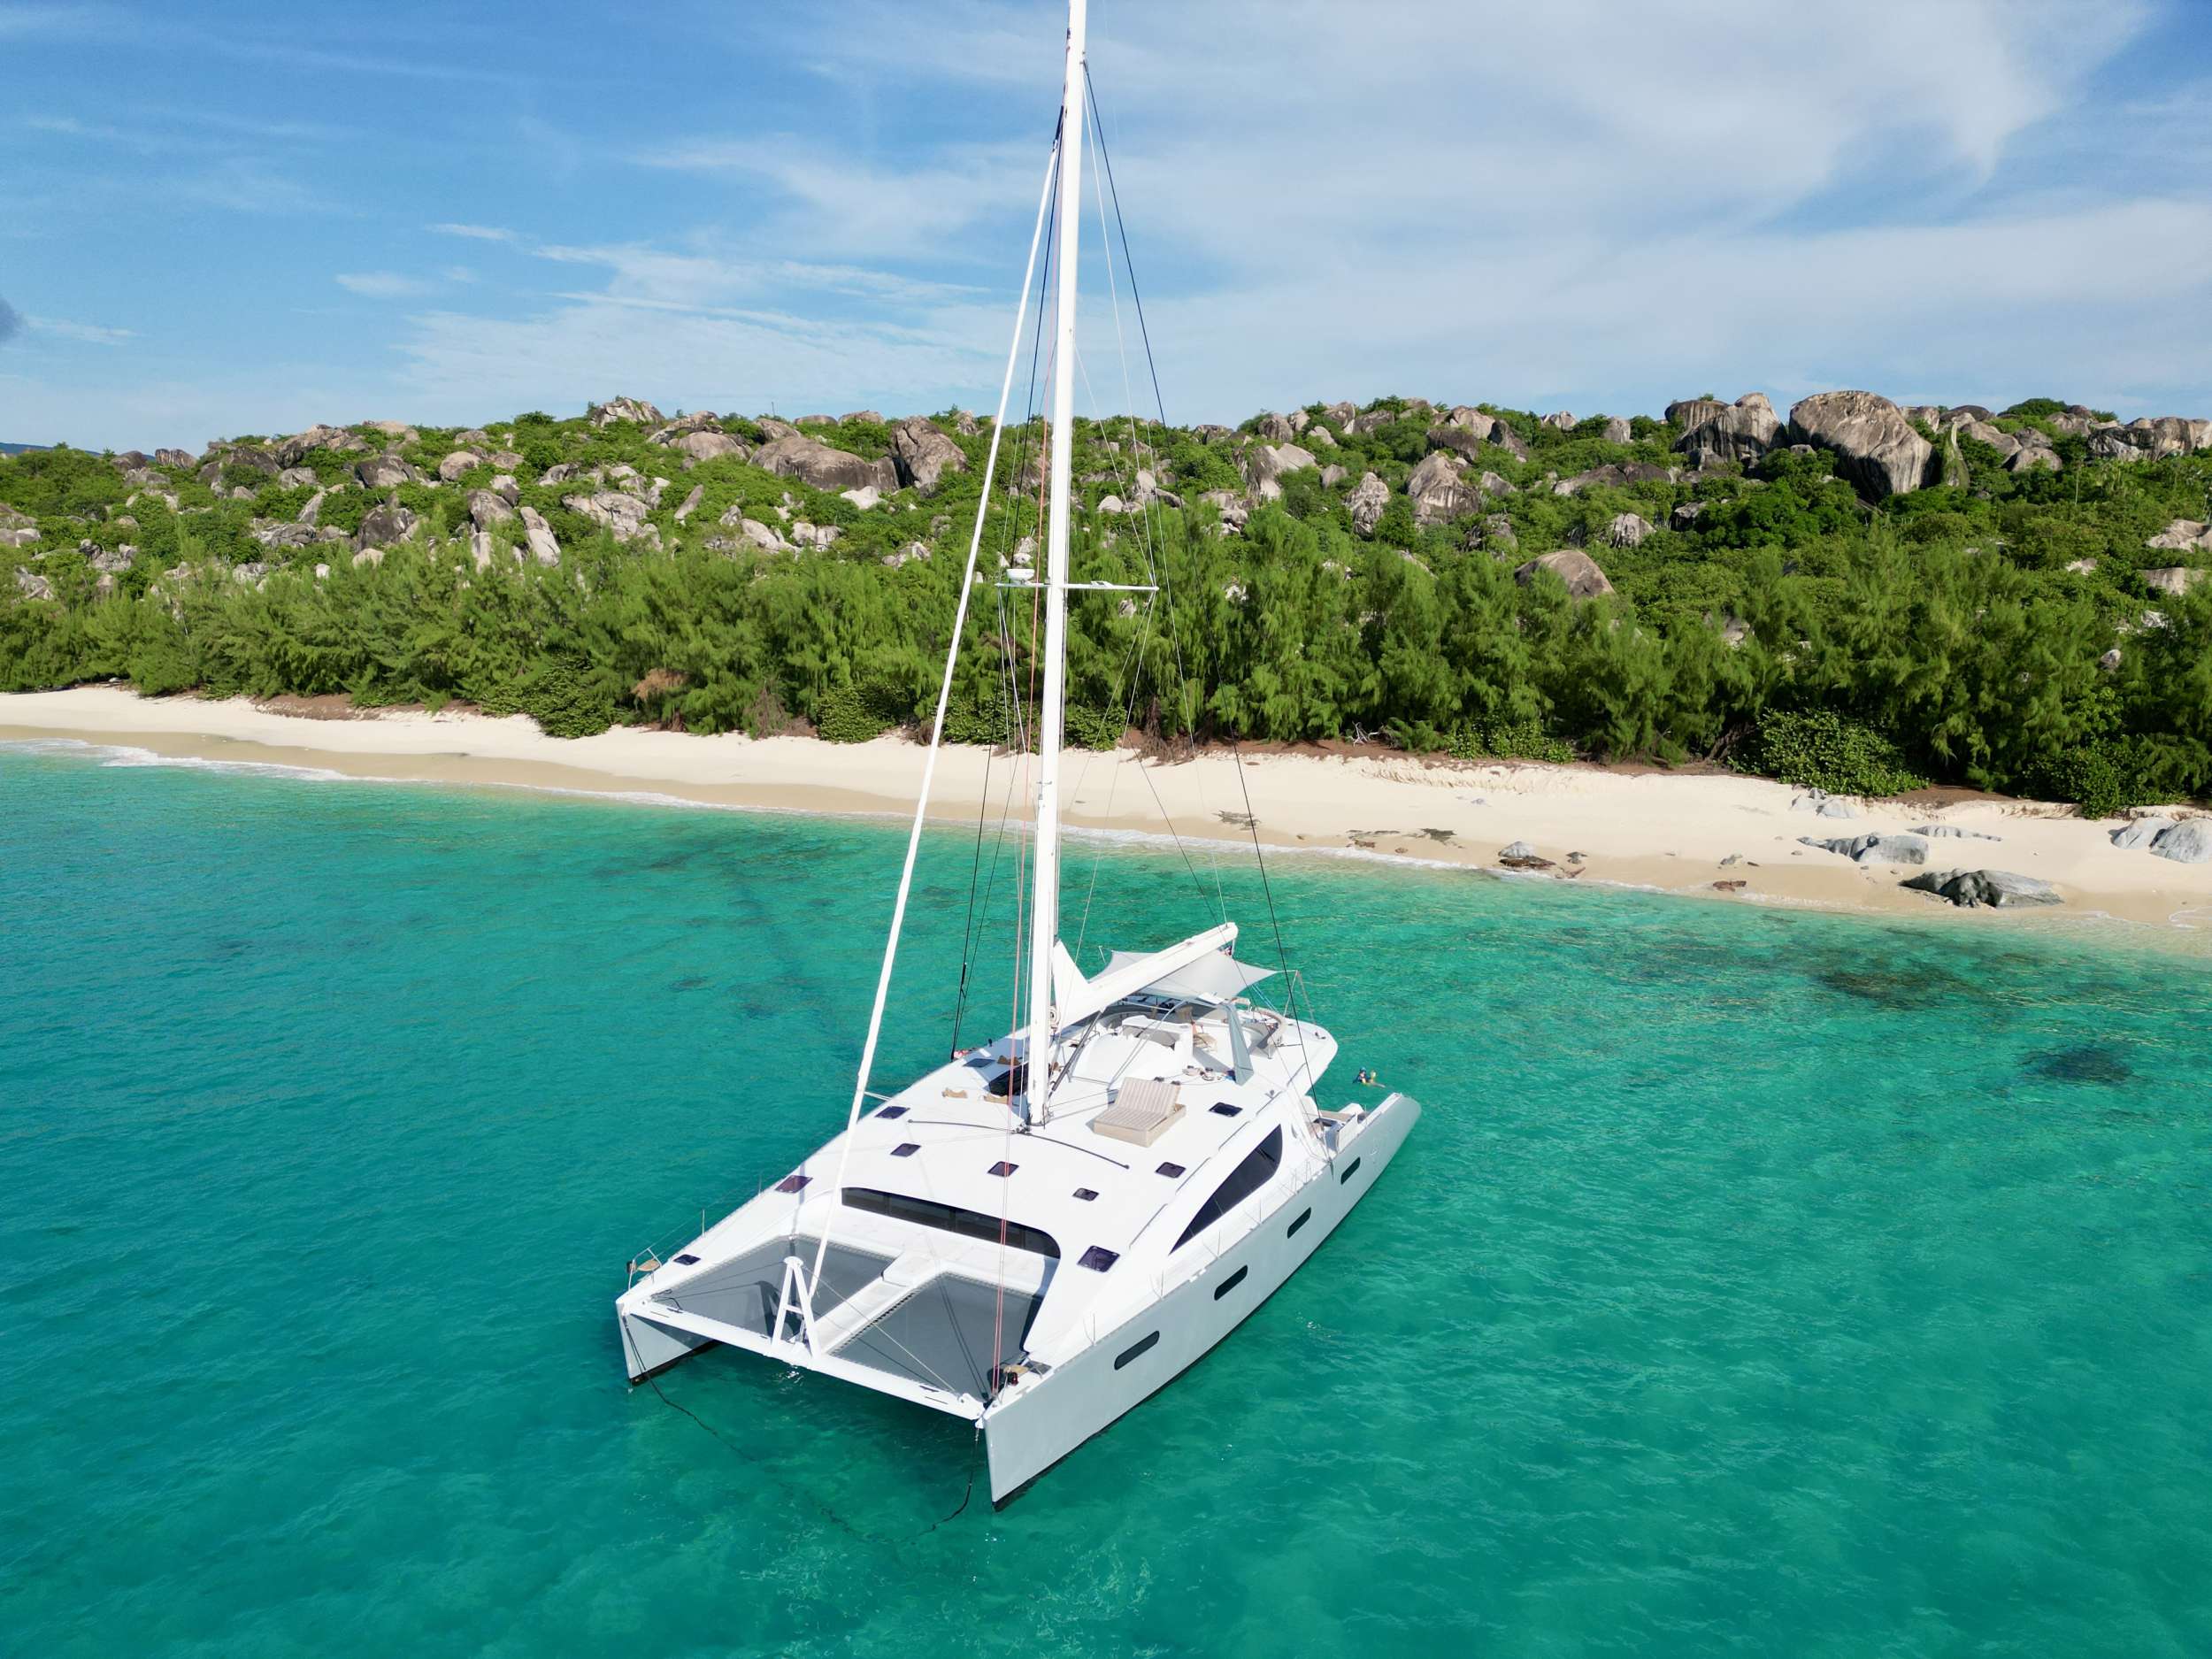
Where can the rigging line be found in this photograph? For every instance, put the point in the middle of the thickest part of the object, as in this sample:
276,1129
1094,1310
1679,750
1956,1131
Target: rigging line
1156,566
1121,346
1282,955
1007,524
1106,160
828,1514
1132,671
1015,730
937,728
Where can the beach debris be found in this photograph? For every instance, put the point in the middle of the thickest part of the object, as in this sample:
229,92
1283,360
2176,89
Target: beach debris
1732,858
1971,889
1874,849
1577,858
1245,821
1736,886
1521,856
1953,830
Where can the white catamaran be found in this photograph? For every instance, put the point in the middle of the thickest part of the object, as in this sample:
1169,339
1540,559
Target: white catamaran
1038,1248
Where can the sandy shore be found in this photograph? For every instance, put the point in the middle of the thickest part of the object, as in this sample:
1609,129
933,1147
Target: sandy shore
1678,833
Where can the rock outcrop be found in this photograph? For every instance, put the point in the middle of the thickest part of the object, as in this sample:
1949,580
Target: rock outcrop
823,467
1743,431
1365,501
538,534
623,409
1438,492
1875,445
708,445
923,454
384,526
1264,465
622,515
1578,571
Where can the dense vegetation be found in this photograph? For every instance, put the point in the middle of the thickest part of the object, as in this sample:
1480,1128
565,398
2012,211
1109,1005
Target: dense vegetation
1951,634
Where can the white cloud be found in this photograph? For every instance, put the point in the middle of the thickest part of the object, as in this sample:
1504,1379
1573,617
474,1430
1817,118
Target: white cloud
383,284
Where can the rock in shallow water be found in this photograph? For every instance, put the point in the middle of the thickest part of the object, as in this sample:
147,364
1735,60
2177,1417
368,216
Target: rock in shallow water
1971,888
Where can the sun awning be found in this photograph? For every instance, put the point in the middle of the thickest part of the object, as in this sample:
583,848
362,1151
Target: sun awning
1198,970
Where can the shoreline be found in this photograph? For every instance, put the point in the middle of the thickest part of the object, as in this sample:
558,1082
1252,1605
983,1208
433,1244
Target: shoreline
1664,831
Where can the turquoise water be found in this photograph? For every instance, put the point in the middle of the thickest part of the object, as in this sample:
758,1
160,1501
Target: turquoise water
1756,1282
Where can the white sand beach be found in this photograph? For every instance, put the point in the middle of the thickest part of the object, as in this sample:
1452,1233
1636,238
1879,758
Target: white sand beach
1687,833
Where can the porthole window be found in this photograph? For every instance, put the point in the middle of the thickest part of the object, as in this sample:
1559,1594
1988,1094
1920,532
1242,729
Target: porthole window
1136,1350
1304,1215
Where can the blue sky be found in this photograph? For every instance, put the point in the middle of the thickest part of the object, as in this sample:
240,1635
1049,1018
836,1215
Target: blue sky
252,217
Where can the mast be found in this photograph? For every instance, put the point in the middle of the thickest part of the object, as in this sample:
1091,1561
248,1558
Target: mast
1045,894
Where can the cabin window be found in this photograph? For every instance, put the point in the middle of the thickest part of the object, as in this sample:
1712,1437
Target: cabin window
969,1224
1224,1109
1352,1169
1098,1258
1304,1215
1003,1168
1170,1169
892,1111
1229,1283
1248,1178
793,1183
1085,1195
1136,1350
906,1148
687,1260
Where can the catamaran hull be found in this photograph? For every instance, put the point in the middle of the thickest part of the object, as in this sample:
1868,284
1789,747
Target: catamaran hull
1029,1431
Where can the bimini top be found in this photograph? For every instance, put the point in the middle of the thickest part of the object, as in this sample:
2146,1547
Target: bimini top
1198,970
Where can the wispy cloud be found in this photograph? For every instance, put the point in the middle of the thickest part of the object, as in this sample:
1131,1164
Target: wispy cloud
383,284
33,22
477,232
84,334
243,185
821,200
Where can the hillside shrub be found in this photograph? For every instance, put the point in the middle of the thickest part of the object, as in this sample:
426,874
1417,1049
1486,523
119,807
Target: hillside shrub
1819,748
